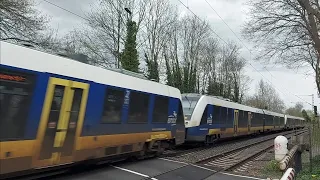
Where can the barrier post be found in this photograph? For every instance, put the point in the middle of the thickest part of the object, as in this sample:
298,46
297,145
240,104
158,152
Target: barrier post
298,162
291,163
289,174
310,148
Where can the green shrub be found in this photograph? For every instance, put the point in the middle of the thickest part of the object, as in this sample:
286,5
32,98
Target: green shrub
315,174
272,170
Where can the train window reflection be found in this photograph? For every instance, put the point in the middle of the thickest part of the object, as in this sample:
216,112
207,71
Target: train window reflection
113,103
180,119
138,107
204,116
189,103
160,111
15,99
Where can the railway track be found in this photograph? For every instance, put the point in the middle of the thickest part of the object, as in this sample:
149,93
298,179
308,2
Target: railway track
185,150
194,156
225,156
234,158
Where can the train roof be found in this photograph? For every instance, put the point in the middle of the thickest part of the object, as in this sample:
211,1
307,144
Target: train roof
28,58
294,117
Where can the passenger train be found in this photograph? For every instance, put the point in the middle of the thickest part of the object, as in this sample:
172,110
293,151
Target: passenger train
56,111
209,118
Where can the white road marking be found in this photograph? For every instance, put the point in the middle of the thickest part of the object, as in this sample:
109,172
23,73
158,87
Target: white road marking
242,176
188,164
134,172
173,161
203,168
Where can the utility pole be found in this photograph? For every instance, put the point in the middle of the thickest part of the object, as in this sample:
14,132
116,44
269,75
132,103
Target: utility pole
118,45
313,102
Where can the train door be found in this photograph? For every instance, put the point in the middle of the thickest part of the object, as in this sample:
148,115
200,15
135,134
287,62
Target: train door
61,122
236,122
249,121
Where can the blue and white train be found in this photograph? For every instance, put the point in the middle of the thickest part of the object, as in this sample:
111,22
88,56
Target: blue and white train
57,111
208,118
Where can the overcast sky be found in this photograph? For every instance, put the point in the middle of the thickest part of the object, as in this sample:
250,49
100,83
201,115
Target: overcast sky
287,82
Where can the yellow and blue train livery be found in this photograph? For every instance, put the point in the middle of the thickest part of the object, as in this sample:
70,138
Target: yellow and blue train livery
56,111
208,118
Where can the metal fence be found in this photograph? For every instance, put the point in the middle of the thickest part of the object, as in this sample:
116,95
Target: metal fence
314,142
315,138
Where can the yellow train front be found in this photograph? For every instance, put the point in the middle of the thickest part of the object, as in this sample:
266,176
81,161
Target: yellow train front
57,111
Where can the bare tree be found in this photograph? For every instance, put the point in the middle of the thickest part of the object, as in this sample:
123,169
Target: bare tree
296,110
192,34
160,16
196,63
230,70
288,32
266,97
104,36
184,51
208,63
21,22
245,81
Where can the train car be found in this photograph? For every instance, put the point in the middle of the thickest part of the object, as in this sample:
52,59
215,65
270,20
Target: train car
209,118
58,111
294,122
273,121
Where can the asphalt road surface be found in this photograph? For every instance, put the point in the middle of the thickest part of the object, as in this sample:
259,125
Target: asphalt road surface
154,169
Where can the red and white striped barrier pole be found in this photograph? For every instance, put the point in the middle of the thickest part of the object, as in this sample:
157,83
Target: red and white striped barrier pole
288,175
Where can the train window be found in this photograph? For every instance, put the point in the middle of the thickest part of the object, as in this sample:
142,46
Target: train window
160,111
56,104
138,107
240,118
246,117
253,119
257,120
224,115
76,104
230,117
276,120
280,123
15,97
180,119
204,116
216,115
268,120
113,103
188,104
243,118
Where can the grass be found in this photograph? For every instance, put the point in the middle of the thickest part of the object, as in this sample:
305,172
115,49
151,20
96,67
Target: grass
315,174
305,174
271,170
